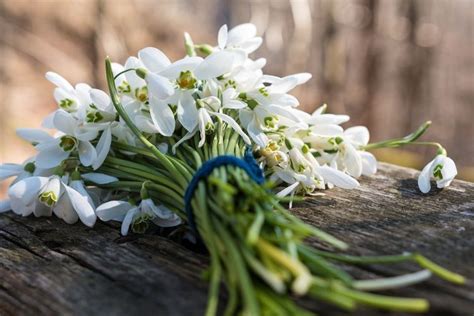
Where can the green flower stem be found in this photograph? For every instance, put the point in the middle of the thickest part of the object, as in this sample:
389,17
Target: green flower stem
123,71
189,45
326,294
438,270
245,282
321,266
393,282
417,258
143,171
165,161
401,304
397,142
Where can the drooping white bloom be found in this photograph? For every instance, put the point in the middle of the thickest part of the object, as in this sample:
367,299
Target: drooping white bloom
43,196
72,137
442,169
242,36
137,216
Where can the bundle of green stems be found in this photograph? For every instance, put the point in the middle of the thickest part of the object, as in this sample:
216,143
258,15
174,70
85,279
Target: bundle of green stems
256,246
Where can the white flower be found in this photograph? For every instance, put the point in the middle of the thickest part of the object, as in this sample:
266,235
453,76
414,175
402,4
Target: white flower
43,196
211,106
137,216
442,169
20,171
242,36
73,137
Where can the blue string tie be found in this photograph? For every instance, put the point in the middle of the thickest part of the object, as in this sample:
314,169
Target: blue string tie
247,163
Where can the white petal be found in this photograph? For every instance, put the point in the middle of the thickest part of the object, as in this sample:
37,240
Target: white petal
8,170
113,210
53,185
26,190
88,132
162,117
232,123
235,104
40,210
241,33
257,134
369,163
103,148
48,121
251,45
215,65
187,112
64,122
185,64
59,81
222,36
328,119
165,217
352,161
82,206
449,170
50,156
301,78
424,178
275,109
358,135
189,135
336,177
98,178
158,86
5,206
64,210
127,221
153,59
327,130
288,190
78,185
100,98
87,153
132,78
33,135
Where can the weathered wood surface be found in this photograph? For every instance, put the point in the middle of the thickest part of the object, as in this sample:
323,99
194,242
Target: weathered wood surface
50,268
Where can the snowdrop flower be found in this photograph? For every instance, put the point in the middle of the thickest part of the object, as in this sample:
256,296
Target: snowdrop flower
442,169
211,107
20,171
268,103
242,36
67,97
137,216
73,137
43,196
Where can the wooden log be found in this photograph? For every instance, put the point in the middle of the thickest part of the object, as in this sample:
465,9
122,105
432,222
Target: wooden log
50,268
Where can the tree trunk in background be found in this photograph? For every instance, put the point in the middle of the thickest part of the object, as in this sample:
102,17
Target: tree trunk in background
389,64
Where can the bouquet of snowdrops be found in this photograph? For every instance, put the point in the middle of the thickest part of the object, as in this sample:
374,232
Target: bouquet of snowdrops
211,142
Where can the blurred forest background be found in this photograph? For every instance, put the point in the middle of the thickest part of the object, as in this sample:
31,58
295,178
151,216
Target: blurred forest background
390,65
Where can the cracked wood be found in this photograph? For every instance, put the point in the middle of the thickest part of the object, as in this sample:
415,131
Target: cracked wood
50,268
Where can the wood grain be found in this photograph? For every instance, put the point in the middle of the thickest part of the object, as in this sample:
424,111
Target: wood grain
50,268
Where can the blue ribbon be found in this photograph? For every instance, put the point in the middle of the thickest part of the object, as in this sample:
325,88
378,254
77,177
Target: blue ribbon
248,164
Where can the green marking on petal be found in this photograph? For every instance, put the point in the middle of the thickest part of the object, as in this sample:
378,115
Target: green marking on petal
48,198
141,94
30,167
66,104
68,143
263,91
141,223
437,172
186,80
209,128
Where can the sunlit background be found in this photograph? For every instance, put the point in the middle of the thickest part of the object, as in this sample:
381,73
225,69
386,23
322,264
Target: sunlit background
390,65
